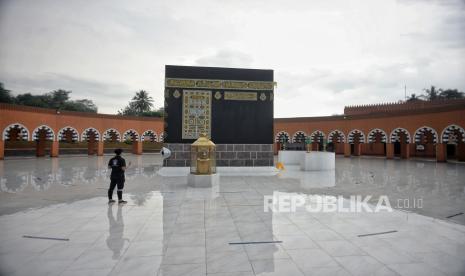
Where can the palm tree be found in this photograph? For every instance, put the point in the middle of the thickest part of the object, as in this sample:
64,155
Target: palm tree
142,102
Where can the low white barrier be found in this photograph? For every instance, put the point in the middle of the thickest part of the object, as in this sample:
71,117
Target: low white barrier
308,161
291,157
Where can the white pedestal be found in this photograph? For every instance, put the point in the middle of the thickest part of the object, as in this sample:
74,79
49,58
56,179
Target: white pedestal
291,157
225,171
203,181
318,161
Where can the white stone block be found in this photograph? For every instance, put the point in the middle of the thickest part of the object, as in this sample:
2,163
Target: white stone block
291,157
203,181
225,171
318,161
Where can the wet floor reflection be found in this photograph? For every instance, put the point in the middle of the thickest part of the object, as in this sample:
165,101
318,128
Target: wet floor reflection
440,186
309,179
42,174
173,229
115,240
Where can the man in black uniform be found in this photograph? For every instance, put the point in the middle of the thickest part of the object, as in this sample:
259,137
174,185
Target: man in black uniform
117,165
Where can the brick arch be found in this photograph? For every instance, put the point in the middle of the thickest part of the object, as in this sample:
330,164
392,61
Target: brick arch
151,133
352,133
280,134
445,135
23,131
62,131
424,129
50,134
394,136
341,138
132,134
85,134
299,136
110,131
317,132
376,131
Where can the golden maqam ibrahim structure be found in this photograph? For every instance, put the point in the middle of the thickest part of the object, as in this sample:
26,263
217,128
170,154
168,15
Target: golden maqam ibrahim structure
203,156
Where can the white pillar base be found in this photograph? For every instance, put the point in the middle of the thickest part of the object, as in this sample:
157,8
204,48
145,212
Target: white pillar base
318,161
203,181
291,157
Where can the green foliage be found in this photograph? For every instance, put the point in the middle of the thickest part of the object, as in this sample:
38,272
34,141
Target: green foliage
141,105
433,94
33,100
129,110
451,94
80,105
154,113
5,95
142,102
414,98
57,99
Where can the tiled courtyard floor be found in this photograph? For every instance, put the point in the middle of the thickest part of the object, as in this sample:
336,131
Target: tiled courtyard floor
168,228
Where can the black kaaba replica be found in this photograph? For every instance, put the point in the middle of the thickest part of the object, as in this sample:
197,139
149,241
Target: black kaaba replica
233,107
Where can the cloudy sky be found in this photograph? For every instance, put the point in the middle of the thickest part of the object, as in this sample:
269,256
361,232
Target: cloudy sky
325,53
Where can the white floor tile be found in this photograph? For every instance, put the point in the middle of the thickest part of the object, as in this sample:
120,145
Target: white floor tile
275,268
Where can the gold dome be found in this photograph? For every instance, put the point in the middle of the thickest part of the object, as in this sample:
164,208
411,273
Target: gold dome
203,141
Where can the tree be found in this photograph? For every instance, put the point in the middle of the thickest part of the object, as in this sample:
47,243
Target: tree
141,105
58,98
129,110
432,93
451,94
33,100
414,98
80,105
5,95
154,113
142,102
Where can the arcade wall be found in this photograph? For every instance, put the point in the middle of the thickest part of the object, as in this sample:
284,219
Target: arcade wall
426,130
31,122
428,127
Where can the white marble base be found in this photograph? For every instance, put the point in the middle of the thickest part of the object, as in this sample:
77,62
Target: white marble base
291,157
318,161
174,171
308,161
203,181
247,171
224,171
